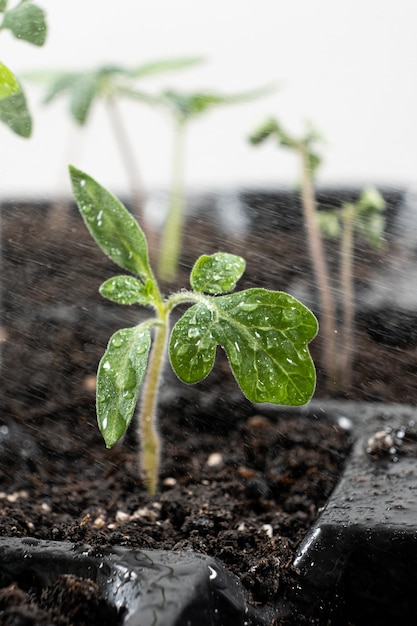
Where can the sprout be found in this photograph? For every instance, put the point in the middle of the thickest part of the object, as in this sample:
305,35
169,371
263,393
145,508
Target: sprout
265,334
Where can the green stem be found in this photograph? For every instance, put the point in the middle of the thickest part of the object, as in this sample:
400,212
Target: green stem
148,429
170,245
346,281
315,243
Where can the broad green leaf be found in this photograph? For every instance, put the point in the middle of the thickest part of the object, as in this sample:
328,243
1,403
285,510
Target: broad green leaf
8,82
217,273
119,378
27,21
111,225
127,290
14,112
265,335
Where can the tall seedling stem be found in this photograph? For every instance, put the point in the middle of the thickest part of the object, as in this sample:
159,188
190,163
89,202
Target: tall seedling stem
320,268
348,297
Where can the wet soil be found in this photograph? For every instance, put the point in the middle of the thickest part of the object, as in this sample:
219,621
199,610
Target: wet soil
234,484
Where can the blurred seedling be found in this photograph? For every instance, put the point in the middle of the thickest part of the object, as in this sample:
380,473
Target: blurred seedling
305,148
183,108
265,334
365,217
110,84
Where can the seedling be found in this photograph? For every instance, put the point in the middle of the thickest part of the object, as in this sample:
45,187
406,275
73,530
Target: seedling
184,107
265,334
109,84
305,148
25,21
364,217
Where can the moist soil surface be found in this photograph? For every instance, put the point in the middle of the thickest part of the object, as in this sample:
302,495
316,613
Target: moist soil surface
234,484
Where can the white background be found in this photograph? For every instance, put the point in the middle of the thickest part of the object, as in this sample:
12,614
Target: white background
348,67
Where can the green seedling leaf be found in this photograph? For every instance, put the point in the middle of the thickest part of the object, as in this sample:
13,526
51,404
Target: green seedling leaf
119,378
371,227
329,223
192,346
166,65
264,131
127,290
15,114
83,92
26,21
111,225
217,273
371,200
8,82
265,336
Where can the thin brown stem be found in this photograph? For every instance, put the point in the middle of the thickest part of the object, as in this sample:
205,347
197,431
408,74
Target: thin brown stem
348,298
316,249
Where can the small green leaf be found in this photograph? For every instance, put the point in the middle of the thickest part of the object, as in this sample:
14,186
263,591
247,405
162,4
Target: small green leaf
8,82
371,200
265,335
192,347
217,273
111,225
119,378
329,223
3,5
14,112
371,227
127,290
27,21
264,131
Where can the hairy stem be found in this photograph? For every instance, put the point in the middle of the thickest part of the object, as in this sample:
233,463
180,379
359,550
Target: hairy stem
148,429
346,281
170,245
316,249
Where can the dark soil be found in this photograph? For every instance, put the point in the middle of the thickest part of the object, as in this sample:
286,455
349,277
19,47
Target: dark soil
235,484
